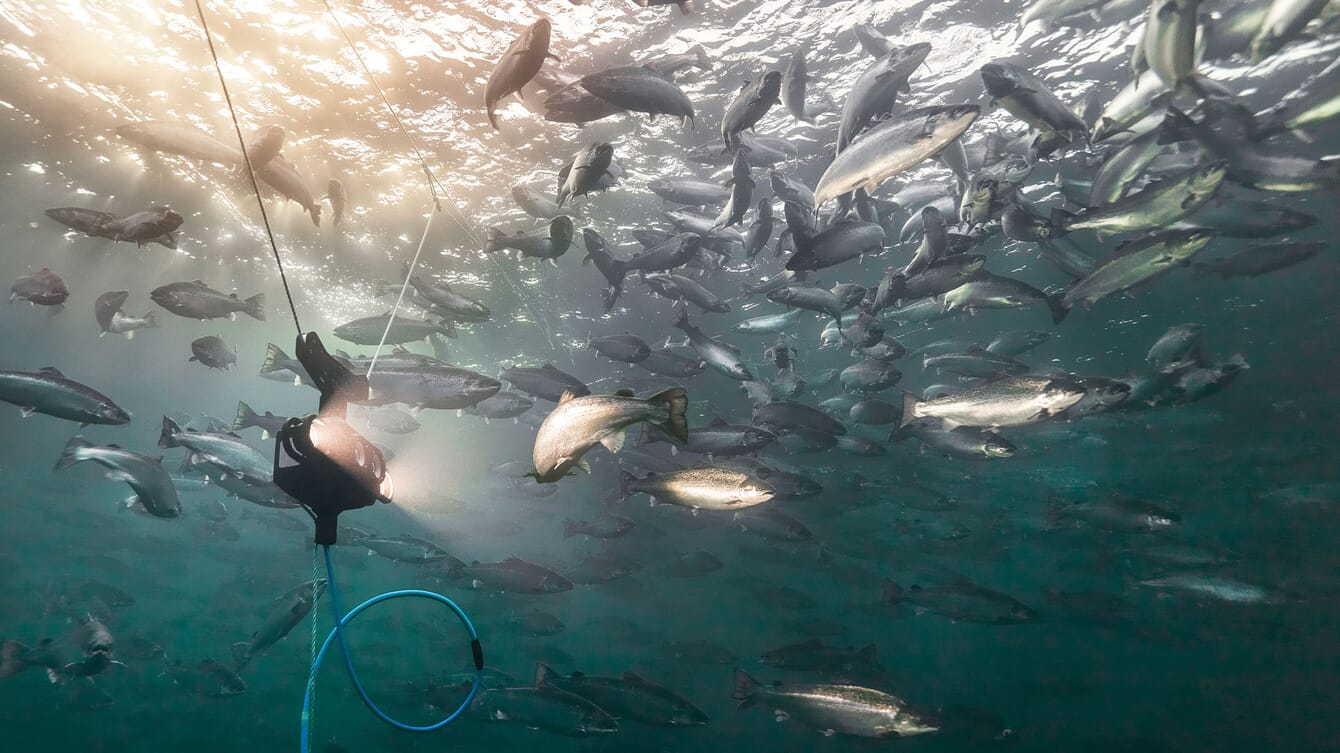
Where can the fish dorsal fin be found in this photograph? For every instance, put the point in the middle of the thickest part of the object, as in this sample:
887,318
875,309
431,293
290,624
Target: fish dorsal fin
625,392
717,421
634,677
577,675
50,371
566,396
870,651
513,558
113,446
542,674
197,282
549,367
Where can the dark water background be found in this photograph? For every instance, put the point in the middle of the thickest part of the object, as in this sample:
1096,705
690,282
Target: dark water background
1252,469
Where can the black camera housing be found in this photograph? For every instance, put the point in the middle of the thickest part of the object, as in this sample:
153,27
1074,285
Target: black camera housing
320,460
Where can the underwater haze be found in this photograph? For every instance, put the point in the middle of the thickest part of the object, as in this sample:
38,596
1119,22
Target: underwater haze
759,376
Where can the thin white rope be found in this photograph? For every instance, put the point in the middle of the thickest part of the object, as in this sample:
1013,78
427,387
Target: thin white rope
409,272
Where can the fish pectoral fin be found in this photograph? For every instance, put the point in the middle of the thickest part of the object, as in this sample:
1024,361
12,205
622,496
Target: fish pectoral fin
584,466
614,442
780,715
27,412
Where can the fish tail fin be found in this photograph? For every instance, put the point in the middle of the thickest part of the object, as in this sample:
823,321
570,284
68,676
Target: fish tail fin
542,674
893,593
681,317
1056,302
495,240
626,479
1176,126
166,437
316,214
686,7
72,453
150,319
703,61
800,260
455,567
493,117
677,400
909,409
272,355
245,416
1058,223
241,655
572,528
13,658
744,688
256,307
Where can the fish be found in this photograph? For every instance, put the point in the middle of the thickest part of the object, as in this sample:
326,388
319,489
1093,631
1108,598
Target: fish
835,244
627,696
213,352
741,186
1283,21
581,422
535,203
717,438
283,176
604,527
625,348
286,612
447,303
1254,261
49,392
752,101
680,288
1135,263
155,225
962,601
1160,203
1009,401
966,442
518,65
1116,513
337,197
232,456
836,709
549,243
544,709
403,548
110,317
370,330
501,405
875,92
512,575
146,476
207,678
196,300
639,89
546,382
670,65
182,140
721,356
689,191
40,288
1027,98
898,143
583,175
706,488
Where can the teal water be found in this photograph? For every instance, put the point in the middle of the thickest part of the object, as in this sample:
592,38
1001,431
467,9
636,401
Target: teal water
1251,471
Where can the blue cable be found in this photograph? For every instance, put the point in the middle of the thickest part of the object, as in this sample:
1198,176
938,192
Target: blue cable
343,620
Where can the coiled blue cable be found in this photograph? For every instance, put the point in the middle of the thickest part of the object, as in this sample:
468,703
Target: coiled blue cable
342,620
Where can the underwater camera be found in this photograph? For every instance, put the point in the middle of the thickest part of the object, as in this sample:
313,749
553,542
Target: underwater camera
320,460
